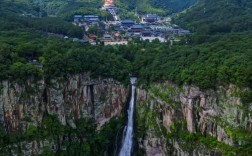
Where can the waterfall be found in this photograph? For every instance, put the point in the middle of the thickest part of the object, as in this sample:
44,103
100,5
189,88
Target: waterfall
128,137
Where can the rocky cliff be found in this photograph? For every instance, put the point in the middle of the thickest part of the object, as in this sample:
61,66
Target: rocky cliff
185,120
78,97
43,117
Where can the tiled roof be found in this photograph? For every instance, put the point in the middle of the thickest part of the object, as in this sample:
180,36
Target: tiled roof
137,26
127,21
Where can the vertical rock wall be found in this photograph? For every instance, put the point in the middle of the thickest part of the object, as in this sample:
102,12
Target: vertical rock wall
208,113
79,96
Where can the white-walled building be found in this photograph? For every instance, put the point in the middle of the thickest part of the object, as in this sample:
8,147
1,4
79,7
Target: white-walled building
161,39
116,43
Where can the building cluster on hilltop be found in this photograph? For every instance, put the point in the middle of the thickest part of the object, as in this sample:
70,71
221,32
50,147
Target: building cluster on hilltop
151,27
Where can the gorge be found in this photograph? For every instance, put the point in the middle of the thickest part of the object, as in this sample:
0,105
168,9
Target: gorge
65,95
171,120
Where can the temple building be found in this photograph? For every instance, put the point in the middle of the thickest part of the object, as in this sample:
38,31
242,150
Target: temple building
108,4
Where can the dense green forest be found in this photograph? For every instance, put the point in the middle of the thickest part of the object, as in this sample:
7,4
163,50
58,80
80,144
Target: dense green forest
205,61
202,60
90,143
163,7
173,6
66,8
58,57
222,16
220,53
60,8
12,17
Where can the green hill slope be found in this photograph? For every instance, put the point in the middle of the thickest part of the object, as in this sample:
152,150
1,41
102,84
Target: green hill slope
155,6
65,7
59,8
172,5
218,16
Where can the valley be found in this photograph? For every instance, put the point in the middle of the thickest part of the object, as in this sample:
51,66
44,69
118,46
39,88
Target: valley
93,78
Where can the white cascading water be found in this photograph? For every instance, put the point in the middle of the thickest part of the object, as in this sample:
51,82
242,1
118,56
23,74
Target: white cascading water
128,139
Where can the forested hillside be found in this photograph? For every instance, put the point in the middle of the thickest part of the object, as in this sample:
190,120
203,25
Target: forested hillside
173,6
217,16
16,16
205,61
57,56
163,7
218,55
189,62
51,16
66,8
56,7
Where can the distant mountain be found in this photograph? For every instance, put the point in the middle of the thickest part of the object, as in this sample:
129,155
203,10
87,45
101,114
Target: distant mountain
217,16
172,5
156,6
55,7
66,8
17,15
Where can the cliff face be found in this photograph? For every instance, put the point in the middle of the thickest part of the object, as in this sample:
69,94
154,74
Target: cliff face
171,120
69,99
185,121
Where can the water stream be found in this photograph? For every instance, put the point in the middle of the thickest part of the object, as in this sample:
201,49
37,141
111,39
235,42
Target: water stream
128,136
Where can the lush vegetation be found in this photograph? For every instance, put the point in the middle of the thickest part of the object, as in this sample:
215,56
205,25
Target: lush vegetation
206,61
12,17
28,52
222,16
173,6
163,7
190,141
89,142
56,58
67,8
54,7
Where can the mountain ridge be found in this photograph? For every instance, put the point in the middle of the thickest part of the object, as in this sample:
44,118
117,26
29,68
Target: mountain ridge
223,16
